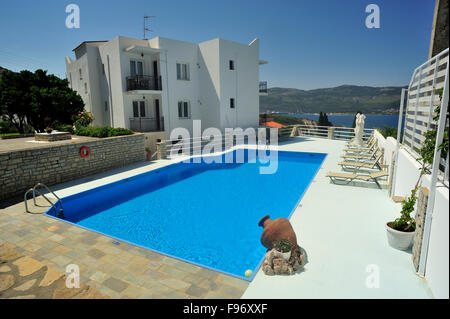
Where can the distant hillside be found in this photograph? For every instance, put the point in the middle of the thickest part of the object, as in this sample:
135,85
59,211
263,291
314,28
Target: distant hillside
2,70
341,99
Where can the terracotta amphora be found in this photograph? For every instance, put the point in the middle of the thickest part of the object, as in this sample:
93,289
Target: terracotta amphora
275,230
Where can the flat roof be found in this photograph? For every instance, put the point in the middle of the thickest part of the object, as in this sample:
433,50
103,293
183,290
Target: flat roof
84,42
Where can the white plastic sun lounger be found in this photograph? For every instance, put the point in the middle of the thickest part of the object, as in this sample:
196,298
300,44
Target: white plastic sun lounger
346,178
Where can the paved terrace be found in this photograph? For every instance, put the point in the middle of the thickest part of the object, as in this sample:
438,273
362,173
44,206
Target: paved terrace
340,227
28,143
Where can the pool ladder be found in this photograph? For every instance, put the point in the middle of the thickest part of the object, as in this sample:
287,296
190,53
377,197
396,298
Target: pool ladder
34,190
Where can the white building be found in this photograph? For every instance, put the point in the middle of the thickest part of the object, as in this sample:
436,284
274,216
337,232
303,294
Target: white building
159,84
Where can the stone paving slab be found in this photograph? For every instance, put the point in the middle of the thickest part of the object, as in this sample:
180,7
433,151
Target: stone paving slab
22,277
108,266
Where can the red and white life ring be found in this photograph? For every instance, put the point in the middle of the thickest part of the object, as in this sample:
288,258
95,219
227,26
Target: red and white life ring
85,152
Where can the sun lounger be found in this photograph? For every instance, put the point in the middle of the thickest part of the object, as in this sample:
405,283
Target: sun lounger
346,178
367,143
361,149
361,156
358,165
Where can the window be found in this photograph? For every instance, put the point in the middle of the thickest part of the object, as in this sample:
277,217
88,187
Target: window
103,68
182,71
136,68
70,79
232,103
183,109
138,108
81,76
85,88
231,65
106,106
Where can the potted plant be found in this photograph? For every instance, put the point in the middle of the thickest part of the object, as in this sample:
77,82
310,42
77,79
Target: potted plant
283,248
149,153
400,232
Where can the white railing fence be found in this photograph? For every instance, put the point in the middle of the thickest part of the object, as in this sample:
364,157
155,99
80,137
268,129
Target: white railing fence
195,144
422,98
330,132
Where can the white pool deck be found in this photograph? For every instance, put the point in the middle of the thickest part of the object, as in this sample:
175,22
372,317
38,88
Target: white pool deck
341,228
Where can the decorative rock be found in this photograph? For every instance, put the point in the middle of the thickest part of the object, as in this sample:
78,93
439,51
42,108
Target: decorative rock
6,282
275,265
275,230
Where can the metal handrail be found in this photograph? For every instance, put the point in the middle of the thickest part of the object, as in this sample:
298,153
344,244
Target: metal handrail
59,213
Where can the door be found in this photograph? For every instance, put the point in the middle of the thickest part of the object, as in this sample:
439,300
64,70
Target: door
136,68
138,114
155,75
157,115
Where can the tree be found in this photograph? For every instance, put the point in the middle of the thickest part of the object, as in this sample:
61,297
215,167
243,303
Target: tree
323,120
39,99
15,98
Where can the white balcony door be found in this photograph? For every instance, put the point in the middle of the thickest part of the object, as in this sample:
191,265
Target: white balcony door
136,68
139,109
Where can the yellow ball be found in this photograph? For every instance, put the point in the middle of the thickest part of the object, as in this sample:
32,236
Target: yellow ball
248,273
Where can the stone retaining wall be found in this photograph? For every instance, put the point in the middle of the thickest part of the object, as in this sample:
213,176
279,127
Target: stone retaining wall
21,170
422,201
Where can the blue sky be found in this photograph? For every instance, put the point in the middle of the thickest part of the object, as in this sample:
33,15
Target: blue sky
309,44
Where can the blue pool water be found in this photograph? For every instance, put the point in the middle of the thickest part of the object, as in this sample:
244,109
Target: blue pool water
205,214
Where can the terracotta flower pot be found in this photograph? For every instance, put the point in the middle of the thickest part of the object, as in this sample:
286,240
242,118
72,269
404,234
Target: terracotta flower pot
275,230
149,155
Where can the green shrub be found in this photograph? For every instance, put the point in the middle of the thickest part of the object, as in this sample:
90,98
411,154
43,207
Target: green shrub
83,118
103,131
7,127
283,245
64,128
387,131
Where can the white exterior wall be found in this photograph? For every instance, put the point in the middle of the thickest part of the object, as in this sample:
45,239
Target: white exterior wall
208,91
209,75
437,264
174,52
242,84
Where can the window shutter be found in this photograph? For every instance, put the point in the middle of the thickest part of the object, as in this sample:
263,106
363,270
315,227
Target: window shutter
142,108
186,109
132,68
135,109
178,71
180,109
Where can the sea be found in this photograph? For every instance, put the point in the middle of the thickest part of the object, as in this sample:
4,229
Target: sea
372,121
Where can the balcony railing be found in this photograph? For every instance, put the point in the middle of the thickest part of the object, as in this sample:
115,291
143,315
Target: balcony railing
146,124
143,82
263,87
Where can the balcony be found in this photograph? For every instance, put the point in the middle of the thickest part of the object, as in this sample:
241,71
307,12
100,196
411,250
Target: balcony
263,88
143,83
146,124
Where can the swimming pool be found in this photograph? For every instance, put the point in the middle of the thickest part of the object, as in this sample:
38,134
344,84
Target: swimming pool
206,214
